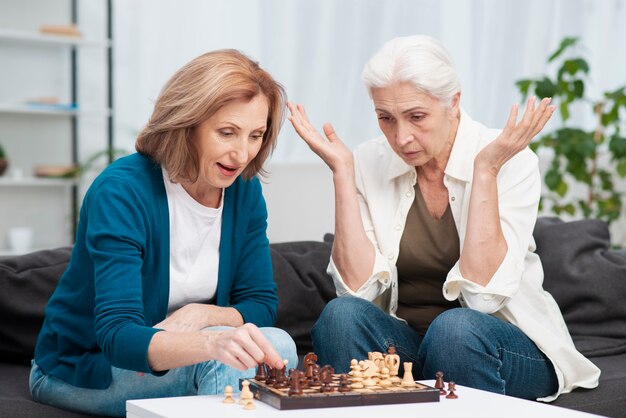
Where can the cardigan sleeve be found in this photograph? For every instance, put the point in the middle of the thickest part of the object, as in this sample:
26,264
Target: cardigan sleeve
116,242
253,292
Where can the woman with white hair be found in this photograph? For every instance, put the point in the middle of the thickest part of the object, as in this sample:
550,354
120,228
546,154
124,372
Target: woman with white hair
433,224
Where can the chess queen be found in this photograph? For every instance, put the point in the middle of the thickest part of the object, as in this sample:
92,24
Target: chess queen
434,221
169,290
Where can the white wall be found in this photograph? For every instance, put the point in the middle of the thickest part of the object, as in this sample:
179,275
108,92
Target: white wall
317,49
300,201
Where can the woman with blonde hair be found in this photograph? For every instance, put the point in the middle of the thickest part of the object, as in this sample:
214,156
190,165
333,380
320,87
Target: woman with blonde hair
169,290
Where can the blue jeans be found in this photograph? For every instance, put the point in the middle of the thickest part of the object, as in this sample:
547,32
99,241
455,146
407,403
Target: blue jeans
206,378
472,348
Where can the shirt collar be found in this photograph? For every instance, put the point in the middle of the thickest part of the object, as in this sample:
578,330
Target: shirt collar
461,162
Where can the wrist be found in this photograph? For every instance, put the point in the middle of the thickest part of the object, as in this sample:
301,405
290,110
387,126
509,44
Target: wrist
485,170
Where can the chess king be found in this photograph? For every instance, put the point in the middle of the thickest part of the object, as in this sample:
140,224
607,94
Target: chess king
434,222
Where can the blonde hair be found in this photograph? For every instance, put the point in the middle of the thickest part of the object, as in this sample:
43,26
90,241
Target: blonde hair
419,59
194,94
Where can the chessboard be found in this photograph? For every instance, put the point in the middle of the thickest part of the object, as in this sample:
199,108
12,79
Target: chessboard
374,381
314,398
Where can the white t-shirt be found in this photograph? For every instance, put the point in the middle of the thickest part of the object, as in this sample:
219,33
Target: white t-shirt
194,246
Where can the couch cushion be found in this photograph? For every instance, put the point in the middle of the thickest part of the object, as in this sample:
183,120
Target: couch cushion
588,281
608,399
304,288
15,400
26,283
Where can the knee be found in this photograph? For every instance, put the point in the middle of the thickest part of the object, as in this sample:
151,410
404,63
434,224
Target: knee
341,314
454,326
283,344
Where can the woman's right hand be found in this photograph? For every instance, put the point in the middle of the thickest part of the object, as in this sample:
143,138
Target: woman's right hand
242,347
333,151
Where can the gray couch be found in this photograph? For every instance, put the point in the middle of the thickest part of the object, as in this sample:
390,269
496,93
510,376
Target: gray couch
585,276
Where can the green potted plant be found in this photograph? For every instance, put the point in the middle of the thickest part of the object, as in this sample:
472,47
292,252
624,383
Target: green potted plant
583,159
3,161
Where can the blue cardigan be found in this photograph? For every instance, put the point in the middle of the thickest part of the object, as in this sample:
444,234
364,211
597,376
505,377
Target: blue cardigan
116,286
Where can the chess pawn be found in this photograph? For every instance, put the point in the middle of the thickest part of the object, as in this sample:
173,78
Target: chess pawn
357,378
407,379
439,384
228,392
384,378
261,373
392,362
344,385
451,389
353,364
246,393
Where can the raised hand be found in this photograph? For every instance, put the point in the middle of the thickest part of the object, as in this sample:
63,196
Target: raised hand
516,135
332,150
242,347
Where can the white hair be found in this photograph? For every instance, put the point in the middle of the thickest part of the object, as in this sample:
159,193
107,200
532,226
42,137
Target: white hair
418,59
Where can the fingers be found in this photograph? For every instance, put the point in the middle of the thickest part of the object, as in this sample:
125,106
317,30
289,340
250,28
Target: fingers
510,123
270,356
329,131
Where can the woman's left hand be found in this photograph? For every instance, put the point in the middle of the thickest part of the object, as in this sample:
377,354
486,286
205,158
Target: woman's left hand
516,135
192,317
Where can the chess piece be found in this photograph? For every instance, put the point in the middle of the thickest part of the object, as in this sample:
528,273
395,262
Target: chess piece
392,362
344,384
295,382
369,382
407,379
384,378
228,392
271,376
327,378
439,384
261,373
281,377
246,393
353,364
357,378
309,364
451,389
377,358
315,381
249,404
370,369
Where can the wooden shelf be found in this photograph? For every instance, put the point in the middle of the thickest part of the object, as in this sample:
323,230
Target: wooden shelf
31,37
36,182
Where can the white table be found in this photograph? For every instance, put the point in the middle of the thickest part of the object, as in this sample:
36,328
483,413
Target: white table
471,403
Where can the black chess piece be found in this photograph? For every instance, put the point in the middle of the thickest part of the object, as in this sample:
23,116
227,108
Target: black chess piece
439,383
344,384
295,379
271,377
451,389
261,373
327,378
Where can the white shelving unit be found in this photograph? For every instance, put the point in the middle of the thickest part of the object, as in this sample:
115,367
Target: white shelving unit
37,65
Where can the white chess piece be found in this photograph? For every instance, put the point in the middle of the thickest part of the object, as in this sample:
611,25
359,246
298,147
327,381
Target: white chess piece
246,393
228,392
407,379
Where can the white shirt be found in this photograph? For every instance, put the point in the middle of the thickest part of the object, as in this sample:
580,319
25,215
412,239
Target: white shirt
194,247
385,192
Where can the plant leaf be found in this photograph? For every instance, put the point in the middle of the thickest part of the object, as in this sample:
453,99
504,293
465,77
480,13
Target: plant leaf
565,43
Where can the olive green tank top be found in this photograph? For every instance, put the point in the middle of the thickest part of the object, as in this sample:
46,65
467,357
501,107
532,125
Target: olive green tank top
428,249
